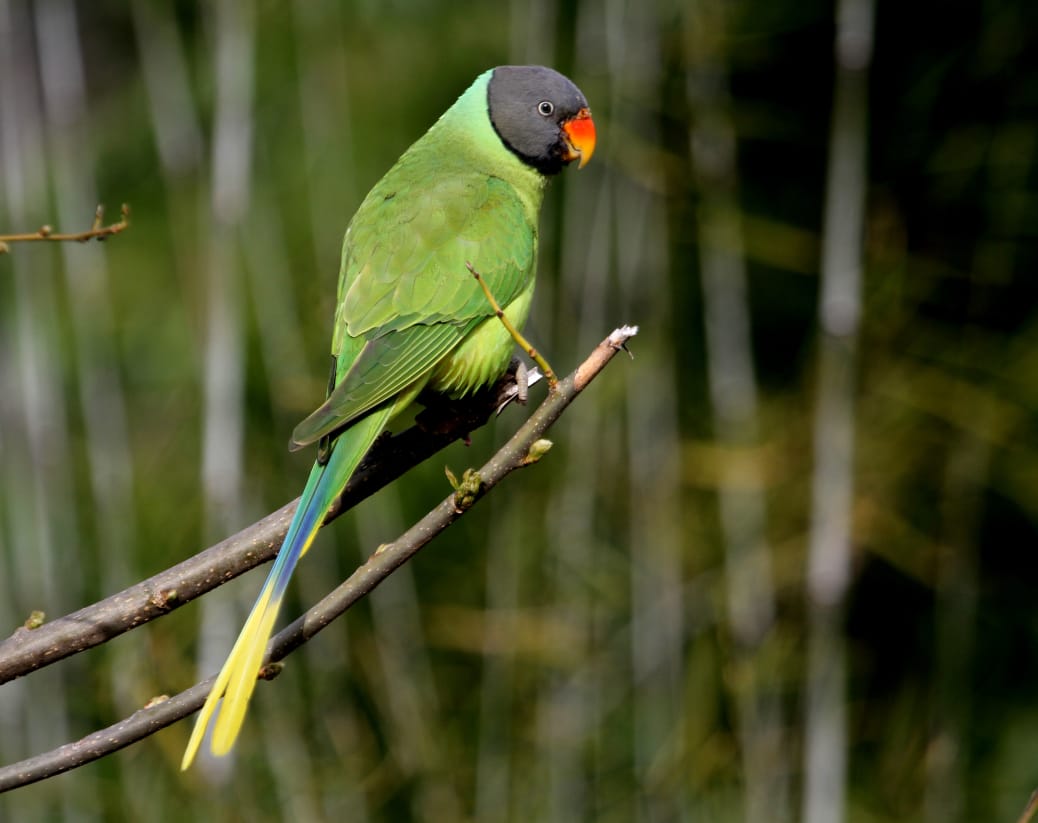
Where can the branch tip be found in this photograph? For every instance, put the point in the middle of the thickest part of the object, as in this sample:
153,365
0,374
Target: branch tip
619,337
131,609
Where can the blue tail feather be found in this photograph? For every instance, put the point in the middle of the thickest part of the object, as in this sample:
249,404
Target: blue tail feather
237,678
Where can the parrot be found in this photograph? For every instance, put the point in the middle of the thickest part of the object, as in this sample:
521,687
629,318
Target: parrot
409,317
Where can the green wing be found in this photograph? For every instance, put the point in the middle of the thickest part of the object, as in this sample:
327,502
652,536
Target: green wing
406,298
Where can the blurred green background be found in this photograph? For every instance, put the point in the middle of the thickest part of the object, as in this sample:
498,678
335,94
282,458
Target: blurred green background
781,566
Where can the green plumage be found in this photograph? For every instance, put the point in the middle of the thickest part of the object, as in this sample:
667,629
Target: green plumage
409,314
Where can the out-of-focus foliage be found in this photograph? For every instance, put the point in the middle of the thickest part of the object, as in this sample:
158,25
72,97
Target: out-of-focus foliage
567,651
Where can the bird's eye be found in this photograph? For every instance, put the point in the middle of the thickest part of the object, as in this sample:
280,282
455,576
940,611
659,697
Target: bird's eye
546,108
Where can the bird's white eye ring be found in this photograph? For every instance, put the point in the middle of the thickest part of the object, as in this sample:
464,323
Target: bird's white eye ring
546,108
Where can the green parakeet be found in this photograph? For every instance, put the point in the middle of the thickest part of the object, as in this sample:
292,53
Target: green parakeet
409,316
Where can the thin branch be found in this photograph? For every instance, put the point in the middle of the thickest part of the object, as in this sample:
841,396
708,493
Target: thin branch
439,425
1031,809
98,231
519,451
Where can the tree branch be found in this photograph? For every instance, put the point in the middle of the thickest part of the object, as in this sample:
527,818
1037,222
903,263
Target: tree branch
98,231
523,448
439,425
1032,807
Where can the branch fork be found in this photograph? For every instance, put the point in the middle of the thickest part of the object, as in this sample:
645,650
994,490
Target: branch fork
97,231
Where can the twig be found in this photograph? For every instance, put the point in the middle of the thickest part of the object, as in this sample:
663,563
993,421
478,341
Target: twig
1030,809
378,567
517,336
98,231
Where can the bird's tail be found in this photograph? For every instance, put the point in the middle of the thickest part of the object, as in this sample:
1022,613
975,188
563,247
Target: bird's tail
237,678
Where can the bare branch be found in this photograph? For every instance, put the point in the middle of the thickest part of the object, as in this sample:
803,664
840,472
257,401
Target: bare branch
1031,809
98,231
439,425
248,545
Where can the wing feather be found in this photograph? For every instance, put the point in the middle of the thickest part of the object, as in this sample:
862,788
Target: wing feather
406,298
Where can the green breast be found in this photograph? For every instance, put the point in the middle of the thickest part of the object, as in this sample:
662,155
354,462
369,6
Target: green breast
484,354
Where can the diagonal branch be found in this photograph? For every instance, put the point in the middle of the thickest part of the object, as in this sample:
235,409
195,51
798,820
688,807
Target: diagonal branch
438,426
521,450
1032,808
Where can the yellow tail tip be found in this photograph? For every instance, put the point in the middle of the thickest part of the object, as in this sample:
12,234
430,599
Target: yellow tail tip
228,700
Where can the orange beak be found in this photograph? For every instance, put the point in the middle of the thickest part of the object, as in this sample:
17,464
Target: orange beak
579,134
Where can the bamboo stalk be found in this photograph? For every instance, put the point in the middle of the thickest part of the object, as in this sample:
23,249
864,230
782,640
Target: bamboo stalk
224,354
87,282
829,550
37,470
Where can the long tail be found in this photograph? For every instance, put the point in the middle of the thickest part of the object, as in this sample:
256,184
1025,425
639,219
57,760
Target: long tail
237,678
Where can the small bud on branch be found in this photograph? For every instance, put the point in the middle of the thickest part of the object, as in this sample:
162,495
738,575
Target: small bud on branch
98,231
